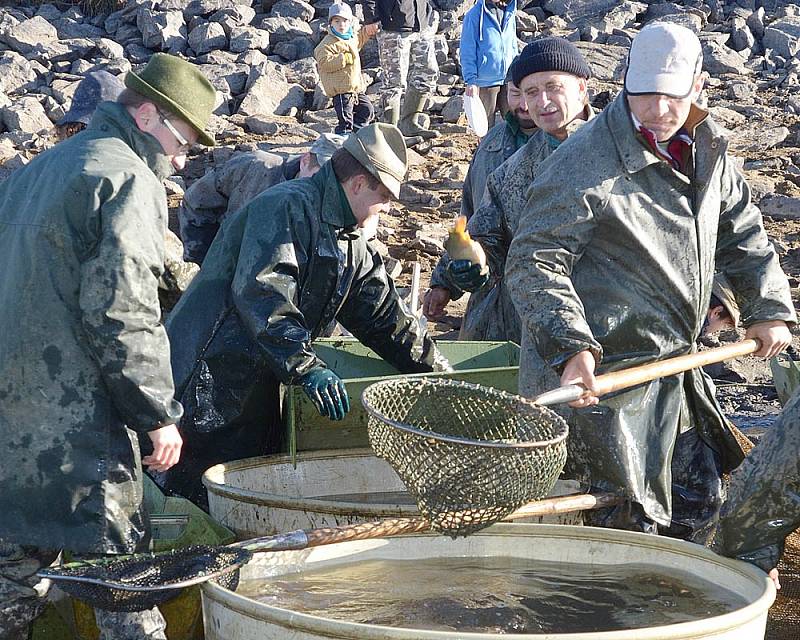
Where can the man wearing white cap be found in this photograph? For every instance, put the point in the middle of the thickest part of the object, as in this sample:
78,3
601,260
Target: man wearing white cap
612,266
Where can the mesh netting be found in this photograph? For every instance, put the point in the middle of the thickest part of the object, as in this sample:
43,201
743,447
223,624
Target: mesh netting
139,582
470,455
783,621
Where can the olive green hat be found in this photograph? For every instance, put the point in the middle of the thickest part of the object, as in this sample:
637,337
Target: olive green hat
381,149
179,87
722,289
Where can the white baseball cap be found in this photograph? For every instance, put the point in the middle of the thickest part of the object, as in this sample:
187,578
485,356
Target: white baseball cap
664,58
341,9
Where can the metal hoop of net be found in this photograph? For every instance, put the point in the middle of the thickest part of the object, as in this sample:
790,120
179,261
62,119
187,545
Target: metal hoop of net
469,454
144,581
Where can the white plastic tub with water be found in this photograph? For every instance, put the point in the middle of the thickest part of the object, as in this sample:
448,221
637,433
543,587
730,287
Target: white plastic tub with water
231,616
267,495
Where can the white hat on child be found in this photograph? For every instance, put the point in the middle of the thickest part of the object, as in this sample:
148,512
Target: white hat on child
341,9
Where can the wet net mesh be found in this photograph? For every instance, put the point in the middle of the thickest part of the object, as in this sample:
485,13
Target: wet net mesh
783,622
470,455
148,571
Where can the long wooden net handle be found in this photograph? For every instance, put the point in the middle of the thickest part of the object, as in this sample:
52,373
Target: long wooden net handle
401,526
626,378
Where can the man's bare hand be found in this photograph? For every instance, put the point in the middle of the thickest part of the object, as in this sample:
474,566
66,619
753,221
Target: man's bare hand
774,336
472,90
435,301
580,370
371,29
167,443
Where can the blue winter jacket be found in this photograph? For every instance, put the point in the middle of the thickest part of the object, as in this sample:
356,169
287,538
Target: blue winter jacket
487,48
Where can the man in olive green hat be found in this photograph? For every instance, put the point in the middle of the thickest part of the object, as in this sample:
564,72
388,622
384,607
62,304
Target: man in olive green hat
278,272
86,365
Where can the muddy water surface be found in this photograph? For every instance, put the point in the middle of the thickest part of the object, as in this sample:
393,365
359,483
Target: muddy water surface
497,595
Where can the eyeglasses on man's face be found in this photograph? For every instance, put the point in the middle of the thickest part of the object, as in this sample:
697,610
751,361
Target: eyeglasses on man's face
185,145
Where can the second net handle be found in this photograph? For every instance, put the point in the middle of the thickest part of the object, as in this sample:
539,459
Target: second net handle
627,378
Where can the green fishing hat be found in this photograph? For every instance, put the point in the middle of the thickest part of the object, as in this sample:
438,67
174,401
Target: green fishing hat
179,87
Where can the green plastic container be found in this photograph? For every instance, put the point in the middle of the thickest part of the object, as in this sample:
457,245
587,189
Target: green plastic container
492,364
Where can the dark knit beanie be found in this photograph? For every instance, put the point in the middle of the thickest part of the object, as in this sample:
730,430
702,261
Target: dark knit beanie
550,54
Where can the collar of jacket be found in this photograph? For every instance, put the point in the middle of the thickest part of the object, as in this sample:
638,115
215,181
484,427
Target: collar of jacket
587,114
496,138
632,151
584,117
335,209
114,119
516,132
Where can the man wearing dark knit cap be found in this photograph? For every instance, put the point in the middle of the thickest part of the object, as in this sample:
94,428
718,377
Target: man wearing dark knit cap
554,73
613,265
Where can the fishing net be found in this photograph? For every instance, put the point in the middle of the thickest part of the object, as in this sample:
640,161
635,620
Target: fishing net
470,455
783,621
143,581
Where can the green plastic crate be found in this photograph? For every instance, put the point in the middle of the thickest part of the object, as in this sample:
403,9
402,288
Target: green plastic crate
492,364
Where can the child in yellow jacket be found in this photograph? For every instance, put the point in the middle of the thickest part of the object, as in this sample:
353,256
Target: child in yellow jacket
340,69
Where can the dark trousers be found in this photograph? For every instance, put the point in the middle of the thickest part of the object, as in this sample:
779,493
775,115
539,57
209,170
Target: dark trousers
354,111
697,494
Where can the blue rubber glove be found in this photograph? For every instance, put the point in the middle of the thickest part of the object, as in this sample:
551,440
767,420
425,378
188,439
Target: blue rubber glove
466,275
327,392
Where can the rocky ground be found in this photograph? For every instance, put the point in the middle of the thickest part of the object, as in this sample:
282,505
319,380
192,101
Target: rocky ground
257,54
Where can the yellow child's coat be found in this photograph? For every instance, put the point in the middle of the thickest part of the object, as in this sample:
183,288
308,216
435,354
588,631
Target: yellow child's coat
339,64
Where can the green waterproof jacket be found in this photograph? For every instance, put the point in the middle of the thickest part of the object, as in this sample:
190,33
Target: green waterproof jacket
490,313
279,271
83,354
615,253
496,147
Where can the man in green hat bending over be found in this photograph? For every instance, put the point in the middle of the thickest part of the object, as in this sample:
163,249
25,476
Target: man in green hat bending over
279,270
84,358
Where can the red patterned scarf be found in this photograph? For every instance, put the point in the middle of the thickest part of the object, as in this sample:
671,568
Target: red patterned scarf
677,150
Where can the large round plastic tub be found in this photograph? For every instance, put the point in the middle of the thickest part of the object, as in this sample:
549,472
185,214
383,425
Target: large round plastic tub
229,615
267,495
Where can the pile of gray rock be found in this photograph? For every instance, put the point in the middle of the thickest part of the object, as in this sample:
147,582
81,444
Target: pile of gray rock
258,55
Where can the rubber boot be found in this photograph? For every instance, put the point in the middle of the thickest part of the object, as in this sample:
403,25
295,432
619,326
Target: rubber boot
413,141
413,104
391,115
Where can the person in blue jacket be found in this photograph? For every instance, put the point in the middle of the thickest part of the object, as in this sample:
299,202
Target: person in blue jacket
488,46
